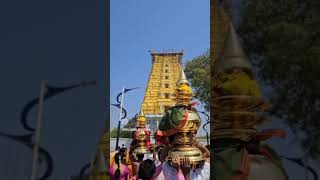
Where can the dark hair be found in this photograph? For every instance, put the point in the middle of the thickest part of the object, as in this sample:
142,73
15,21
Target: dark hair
171,139
140,157
122,151
117,159
159,153
146,169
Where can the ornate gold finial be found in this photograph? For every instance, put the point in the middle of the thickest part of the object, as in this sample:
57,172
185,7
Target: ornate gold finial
183,78
183,94
141,114
233,56
141,119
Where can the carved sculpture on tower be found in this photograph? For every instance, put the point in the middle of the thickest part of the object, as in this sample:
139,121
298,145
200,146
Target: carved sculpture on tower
141,137
179,125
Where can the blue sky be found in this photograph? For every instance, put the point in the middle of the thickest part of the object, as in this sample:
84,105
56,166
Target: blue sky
137,27
141,25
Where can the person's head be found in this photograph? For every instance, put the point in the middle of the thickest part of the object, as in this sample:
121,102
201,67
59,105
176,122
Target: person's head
163,153
122,151
146,169
140,157
123,159
117,158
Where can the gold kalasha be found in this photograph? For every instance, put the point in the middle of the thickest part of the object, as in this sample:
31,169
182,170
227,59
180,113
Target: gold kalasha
141,136
183,145
237,104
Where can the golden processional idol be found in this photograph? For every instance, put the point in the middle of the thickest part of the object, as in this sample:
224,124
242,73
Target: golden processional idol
237,109
141,137
179,125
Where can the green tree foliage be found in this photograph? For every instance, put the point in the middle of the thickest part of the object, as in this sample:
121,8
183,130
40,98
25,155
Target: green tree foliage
282,38
123,134
198,73
131,123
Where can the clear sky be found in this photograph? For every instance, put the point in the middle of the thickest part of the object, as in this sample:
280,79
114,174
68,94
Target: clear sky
140,25
137,27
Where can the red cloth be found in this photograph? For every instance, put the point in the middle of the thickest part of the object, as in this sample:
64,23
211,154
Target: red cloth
244,170
135,134
269,133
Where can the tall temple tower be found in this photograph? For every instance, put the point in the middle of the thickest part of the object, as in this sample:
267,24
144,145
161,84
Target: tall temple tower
165,72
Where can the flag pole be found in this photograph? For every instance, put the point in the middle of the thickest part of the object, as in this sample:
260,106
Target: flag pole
38,132
120,117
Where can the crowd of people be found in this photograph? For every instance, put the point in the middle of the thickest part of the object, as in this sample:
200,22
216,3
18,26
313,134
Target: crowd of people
126,165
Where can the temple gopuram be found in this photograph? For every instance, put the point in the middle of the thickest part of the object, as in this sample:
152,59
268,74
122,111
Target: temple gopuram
166,68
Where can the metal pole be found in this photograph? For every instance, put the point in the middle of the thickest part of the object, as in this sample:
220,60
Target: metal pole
37,134
207,138
120,117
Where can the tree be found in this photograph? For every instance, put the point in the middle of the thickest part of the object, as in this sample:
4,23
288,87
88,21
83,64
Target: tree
282,38
123,134
131,123
198,73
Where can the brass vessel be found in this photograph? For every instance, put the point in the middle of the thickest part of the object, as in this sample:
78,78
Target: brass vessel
141,148
237,110
184,138
236,102
140,135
